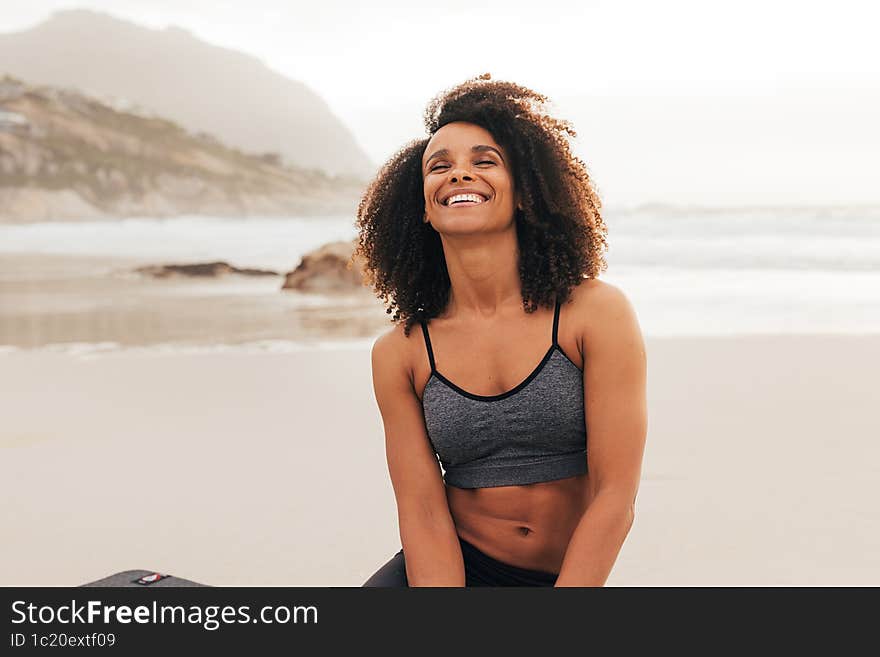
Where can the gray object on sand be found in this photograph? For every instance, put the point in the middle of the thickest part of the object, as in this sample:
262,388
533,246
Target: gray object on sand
143,579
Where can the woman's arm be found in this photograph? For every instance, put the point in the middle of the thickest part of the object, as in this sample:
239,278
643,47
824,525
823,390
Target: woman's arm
615,377
430,543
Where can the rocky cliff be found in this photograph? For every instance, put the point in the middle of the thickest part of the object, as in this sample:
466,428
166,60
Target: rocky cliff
68,156
198,85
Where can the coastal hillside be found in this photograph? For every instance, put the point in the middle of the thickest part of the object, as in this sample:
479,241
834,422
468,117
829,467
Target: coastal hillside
68,156
196,84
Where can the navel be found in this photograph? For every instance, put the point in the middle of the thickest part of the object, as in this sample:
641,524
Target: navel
525,531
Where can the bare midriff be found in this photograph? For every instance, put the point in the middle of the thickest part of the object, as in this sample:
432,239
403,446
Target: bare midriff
525,526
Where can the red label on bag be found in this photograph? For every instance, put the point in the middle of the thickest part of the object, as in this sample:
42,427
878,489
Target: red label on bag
152,578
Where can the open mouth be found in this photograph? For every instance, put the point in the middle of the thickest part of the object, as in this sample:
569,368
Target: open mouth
464,200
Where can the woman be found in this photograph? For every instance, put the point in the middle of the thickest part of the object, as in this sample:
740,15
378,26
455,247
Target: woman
488,235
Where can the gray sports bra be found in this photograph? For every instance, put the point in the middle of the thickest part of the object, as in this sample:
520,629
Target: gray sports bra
531,433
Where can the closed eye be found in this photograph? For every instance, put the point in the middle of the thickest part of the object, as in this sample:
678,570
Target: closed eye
444,165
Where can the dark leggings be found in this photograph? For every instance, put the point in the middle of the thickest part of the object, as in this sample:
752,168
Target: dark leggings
479,569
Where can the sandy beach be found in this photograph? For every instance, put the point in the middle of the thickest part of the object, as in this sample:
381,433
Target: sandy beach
60,299
236,468
200,241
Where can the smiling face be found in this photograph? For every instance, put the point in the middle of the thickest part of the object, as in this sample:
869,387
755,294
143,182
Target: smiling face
467,177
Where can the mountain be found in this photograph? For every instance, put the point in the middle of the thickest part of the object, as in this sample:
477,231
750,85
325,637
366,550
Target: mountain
203,87
67,156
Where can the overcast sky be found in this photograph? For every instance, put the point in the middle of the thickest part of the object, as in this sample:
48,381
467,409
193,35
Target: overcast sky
707,102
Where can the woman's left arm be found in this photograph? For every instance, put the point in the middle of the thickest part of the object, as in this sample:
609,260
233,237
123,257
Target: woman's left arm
615,376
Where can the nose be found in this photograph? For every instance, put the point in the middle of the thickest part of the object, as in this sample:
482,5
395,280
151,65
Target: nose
457,174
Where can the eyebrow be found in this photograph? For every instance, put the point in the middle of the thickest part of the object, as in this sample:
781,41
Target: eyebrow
479,148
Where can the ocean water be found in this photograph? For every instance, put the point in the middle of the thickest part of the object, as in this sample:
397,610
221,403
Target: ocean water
68,286
262,243
758,270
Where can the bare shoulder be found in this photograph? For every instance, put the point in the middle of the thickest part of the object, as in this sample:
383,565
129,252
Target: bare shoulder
597,296
392,352
601,310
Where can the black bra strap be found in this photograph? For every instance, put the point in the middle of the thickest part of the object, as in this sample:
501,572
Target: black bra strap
556,324
428,345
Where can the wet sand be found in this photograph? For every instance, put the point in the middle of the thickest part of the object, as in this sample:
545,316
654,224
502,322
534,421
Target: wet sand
238,468
49,299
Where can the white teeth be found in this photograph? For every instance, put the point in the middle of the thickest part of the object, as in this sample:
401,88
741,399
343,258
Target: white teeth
476,198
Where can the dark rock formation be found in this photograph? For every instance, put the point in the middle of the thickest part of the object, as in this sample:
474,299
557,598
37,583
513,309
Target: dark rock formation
327,270
201,269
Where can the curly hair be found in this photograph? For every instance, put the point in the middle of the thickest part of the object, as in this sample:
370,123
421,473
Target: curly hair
560,231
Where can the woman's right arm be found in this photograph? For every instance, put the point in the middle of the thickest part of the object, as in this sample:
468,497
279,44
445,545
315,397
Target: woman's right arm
431,549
